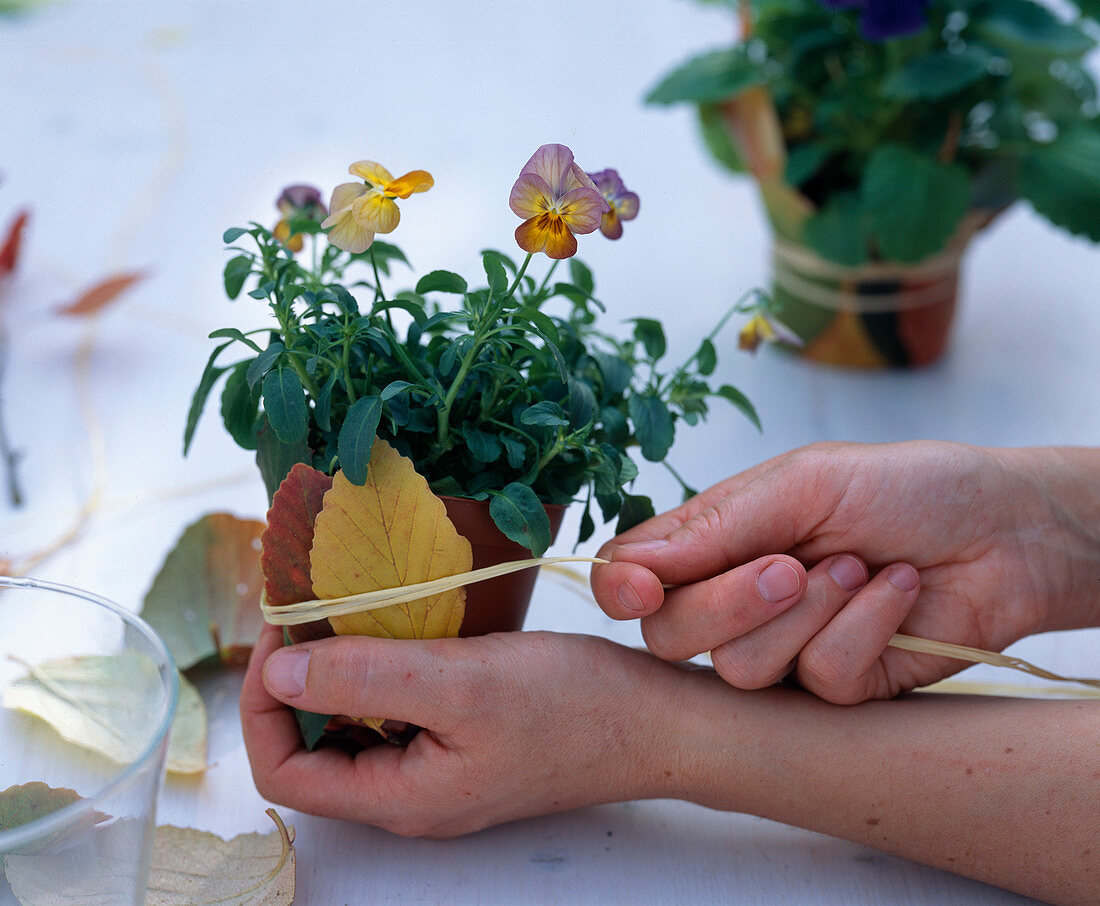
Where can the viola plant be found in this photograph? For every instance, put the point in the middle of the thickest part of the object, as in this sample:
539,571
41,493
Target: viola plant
507,389
880,129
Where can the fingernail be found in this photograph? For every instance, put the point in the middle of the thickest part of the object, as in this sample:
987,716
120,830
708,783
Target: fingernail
654,544
848,573
778,582
903,577
285,672
629,598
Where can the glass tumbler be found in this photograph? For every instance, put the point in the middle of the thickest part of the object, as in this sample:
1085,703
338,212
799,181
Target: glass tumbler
77,814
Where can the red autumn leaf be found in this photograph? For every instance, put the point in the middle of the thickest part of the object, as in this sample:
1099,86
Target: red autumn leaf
9,252
101,294
287,541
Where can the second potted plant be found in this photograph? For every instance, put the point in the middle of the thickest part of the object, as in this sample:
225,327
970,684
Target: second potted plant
884,134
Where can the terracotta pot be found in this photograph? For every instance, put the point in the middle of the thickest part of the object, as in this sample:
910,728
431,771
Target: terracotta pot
881,314
500,604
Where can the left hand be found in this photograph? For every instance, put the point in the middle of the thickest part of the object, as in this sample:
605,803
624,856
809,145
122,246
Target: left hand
515,724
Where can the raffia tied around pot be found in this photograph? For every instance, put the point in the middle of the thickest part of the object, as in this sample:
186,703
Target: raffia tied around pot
305,611
872,315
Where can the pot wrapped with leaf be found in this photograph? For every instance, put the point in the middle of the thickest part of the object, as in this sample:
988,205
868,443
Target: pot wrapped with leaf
383,419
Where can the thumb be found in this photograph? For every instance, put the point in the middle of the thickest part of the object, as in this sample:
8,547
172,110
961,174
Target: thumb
363,677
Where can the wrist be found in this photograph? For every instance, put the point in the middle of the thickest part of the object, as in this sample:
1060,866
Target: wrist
1060,531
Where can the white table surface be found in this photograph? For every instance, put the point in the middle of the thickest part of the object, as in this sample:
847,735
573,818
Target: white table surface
138,131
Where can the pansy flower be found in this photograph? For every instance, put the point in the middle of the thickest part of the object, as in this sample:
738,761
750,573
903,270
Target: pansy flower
880,20
297,202
557,200
764,327
623,204
360,210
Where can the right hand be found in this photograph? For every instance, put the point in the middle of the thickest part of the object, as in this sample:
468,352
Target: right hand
955,543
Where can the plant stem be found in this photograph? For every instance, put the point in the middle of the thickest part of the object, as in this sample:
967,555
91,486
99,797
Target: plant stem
546,279
515,283
484,326
8,456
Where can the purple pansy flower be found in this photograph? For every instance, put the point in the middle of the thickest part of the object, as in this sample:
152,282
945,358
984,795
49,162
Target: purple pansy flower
883,19
623,205
556,200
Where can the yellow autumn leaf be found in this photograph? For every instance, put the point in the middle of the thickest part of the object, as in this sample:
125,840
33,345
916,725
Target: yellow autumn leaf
390,532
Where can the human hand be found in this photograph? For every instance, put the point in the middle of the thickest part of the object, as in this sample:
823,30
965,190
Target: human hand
939,540
516,724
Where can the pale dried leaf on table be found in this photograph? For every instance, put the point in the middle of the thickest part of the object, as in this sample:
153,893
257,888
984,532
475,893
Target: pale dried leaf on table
205,601
97,702
197,868
187,744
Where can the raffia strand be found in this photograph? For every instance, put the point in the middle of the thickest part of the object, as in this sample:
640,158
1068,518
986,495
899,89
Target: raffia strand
308,611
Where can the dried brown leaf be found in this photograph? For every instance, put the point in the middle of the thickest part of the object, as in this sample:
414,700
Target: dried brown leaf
101,294
13,242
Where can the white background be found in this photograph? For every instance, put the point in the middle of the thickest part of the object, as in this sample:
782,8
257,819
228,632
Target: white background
136,132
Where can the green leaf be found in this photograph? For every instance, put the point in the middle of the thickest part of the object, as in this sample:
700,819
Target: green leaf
651,335
285,405
581,276
581,403
312,727
322,405
210,375
395,388
357,436
837,230
483,446
803,161
240,407
735,396
545,413
406,301
615,426
716,137
274,459
635,510
231,333
1030,29
1062,180
710,77
617,374
236,272
543,323
913,203
652,425
937,75
263,363
520,515
441,282
706,359
233,234
494,272
588,524
515,450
